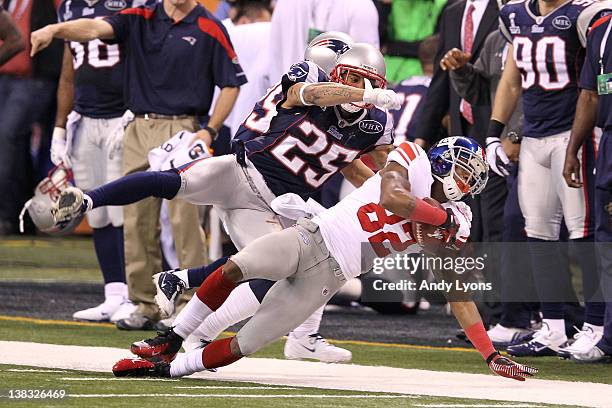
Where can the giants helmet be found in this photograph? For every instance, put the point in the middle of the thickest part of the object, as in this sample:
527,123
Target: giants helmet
460,164
325,49
46,194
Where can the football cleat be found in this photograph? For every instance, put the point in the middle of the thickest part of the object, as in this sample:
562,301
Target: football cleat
168,287
136,321
585,340
164,347
594,355
100,313
125,310
71,204
315,347
544,343
136,367
502,336
505,367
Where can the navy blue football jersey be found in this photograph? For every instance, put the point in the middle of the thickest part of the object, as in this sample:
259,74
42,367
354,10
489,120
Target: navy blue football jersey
98,67
296,150
549,51
413,91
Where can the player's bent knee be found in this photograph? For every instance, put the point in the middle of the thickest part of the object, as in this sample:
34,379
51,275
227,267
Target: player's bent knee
232,272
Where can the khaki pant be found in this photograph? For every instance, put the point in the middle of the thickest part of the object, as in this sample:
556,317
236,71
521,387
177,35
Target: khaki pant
141,225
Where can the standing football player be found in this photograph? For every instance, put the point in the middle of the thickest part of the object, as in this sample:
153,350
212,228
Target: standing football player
87,138
547,41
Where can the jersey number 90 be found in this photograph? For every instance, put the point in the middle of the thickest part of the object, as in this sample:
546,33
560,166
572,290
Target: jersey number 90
97,53
542,62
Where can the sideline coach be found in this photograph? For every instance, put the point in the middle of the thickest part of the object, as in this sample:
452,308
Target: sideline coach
176,52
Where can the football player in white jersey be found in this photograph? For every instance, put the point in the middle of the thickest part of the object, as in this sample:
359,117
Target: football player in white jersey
319,255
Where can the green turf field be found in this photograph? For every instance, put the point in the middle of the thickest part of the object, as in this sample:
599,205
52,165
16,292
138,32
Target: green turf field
364,353
100,389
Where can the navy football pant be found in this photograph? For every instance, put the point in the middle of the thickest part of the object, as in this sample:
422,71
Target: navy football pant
603,230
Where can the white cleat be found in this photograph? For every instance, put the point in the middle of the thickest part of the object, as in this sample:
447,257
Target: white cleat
504,336
100,313
594,355
125,310
315,347
584,341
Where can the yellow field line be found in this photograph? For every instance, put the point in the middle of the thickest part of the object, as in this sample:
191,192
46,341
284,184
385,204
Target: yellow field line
348,342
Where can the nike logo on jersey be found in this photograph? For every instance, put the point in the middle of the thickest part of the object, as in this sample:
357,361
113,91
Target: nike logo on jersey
190,40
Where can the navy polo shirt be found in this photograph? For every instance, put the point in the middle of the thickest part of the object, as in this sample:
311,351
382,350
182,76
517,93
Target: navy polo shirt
591,68
171,68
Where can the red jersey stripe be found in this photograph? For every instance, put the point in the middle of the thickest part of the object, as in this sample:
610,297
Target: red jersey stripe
600,21
212,29
408,150
403,156
139,11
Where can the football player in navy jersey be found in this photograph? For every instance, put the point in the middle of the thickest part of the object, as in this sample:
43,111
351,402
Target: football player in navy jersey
305,130
547,42
87,138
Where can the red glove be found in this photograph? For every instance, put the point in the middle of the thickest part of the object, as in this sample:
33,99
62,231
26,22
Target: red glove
505,367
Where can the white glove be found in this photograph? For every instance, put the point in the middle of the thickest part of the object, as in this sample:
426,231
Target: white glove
114,141
60,148
495,155
382,98
462,214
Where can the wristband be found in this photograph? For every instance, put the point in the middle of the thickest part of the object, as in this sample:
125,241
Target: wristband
495,128
302,96
480,339
427,213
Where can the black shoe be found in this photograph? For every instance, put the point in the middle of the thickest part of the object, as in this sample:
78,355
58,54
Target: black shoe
135,367
164,347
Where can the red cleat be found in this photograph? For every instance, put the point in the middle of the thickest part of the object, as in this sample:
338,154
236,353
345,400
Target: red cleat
136,367
164,347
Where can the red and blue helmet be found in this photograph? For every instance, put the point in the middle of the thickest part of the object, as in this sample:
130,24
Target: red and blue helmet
460,164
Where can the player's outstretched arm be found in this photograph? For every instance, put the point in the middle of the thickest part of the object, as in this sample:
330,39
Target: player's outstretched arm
508,91
468,317
81,30
332,94
125,190
60,149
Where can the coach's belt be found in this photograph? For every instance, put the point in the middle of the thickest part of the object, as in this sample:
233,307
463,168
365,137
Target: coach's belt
147,116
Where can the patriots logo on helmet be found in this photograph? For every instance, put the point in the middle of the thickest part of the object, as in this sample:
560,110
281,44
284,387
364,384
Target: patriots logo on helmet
337,46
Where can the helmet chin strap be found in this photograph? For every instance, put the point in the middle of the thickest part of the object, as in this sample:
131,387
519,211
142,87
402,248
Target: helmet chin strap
343,122
450,187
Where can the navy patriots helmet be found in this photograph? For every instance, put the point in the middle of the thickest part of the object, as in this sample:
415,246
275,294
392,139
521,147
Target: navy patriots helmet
460,164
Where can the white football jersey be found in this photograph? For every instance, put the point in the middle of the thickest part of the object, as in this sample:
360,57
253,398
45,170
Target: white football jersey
358,229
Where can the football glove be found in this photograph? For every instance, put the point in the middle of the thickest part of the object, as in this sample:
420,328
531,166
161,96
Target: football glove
458,223
382,98
496,157
60,148
114,141
505,367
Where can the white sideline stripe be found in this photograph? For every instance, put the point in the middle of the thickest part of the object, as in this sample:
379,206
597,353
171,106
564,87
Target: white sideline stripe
316,396
476,405
227,387
30,370
114,379
332,376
